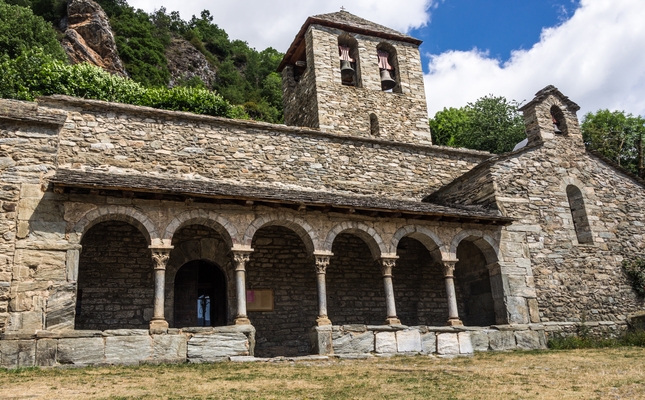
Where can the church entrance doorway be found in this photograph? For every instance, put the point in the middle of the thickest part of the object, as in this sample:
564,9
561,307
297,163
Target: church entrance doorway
200,295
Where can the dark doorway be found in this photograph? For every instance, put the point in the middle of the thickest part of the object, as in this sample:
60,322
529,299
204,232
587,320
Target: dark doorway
200,295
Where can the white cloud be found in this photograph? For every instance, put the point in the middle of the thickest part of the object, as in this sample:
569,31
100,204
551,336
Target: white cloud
597,58
275,23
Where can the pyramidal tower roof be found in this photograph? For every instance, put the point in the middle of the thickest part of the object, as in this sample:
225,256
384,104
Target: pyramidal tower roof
348,22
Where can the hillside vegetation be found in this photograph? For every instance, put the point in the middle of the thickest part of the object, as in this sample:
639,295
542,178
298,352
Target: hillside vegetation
246,83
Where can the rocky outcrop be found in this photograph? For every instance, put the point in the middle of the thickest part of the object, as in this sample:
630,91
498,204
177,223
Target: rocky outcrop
89,38
186,62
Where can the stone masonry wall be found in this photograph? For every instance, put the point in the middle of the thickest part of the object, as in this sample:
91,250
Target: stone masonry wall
402,116
136,140
114,278
299,96
280,263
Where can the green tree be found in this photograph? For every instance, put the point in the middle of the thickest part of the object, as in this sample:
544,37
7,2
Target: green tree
617,136
21,30
491,124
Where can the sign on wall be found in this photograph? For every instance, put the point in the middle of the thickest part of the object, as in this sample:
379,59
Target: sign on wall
259,300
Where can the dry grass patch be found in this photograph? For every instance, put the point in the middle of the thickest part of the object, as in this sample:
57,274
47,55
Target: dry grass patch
571,374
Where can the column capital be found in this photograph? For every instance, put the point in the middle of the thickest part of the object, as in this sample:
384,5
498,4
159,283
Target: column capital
387,263
240,258
160,256
322,262
448,268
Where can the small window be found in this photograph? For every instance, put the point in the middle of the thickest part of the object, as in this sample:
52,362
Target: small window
388,68
579,215
374,129
559,122
349,62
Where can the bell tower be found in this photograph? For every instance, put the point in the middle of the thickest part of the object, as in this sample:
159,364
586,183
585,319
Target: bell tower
347,75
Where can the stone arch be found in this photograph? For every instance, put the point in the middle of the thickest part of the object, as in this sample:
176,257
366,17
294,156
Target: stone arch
486,244
200,217
428,238
117,213
301,227
366,233
349,42
561,120
393,60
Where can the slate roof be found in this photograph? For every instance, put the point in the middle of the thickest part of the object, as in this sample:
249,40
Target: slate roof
346,21
272,195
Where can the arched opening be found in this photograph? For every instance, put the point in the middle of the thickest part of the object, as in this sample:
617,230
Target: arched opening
419,288
115,278
473,286
355,293
559,121
349,60
281,266
388,65
579,215
374,128
197,273
200,295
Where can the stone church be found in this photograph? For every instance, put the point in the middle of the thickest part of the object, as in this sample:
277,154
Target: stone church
131,234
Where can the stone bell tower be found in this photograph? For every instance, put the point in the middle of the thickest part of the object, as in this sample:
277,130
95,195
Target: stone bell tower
347,75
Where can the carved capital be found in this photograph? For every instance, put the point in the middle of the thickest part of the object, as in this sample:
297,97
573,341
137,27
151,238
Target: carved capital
322,262
386,266
449,269
240,258
160,258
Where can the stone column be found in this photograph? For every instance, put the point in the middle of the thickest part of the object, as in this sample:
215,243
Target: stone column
386,268
448,274
240,258
160,257
322,262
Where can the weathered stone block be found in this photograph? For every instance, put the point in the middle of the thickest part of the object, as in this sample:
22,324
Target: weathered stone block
447,344
60,309
465,344
385,342
17,353
479,340
527,340
127,349
81,351
517,310
169,348
429,343
321,341
408,341
351,342
501,340
212,347
46,352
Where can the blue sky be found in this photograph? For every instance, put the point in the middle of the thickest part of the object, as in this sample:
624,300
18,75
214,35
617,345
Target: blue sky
592,50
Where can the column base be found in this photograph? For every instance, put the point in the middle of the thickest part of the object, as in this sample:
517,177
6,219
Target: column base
158,326
392,321
242,321
455,322
323,321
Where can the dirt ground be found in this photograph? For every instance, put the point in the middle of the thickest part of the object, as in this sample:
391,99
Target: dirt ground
571,374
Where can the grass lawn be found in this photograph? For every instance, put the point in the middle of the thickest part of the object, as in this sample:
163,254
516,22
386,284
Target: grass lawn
617,373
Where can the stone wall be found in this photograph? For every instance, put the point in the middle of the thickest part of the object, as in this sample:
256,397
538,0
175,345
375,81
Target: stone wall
299,95
115,287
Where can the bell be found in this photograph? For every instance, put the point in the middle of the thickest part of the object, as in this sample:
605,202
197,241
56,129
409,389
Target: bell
346,72
556,129
387,82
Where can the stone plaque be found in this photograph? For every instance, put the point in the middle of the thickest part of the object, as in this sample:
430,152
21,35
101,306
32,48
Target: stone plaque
259,300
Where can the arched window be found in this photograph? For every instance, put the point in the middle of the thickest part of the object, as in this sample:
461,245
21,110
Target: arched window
374,129
559,122
349,61
579,215
388,65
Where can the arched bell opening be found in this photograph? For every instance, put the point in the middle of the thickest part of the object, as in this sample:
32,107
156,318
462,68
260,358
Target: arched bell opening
282,300
200,295
349,60
374,127
115,278
355,293
559,121
473,286
388,65
419,287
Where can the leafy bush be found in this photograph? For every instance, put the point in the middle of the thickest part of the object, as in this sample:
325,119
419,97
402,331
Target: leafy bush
21,30
635,269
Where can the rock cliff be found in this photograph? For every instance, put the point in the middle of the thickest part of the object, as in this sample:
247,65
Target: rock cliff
186,62
89,38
